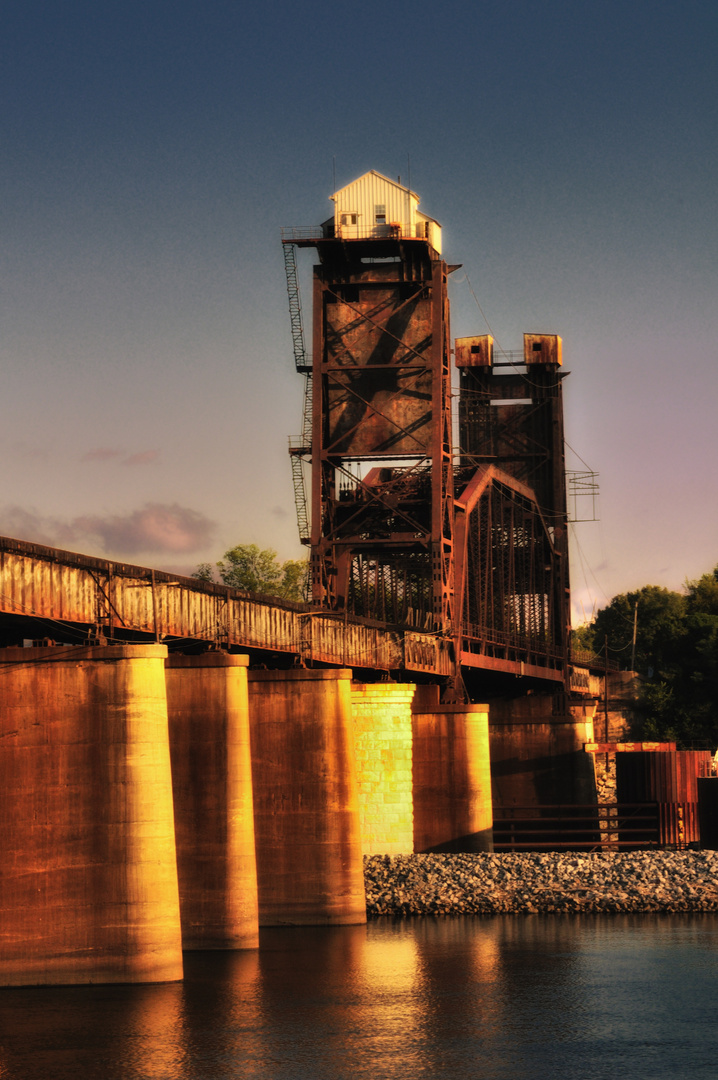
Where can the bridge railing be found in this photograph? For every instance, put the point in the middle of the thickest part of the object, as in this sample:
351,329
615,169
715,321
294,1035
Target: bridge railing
77,596
291,233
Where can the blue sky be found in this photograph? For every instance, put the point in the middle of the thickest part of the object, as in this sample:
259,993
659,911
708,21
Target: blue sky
151,152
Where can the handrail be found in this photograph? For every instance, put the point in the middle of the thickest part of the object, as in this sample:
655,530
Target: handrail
301,232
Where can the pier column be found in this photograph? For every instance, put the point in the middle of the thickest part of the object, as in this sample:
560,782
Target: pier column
537,755
383,741
306,816
88,888
452,778
208,712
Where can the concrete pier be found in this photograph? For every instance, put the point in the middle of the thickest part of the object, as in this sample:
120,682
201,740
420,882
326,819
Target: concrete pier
537,755
452,778
208,711
88,889
306,815
383,750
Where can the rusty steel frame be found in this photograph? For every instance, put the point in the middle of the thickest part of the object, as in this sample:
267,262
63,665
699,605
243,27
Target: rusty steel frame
513,469
382,546
510,604
488,571
76,599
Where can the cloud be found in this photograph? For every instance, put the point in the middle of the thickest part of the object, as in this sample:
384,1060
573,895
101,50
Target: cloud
26,525
101,453
145,457
157,528
107,453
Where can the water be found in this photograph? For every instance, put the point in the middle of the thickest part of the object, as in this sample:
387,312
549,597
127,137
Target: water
525,998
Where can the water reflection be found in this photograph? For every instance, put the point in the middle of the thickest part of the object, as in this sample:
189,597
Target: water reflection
520,998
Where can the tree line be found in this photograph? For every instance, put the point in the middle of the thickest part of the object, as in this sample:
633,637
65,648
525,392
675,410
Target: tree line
671,640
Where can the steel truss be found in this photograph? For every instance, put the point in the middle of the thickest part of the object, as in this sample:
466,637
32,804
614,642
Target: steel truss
487,572
382,499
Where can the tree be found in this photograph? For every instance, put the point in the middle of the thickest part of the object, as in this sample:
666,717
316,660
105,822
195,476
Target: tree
660,625
204,572
703,594
256,569
676,655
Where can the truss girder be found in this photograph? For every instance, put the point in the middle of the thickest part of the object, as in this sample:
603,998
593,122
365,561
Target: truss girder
487,572
381,543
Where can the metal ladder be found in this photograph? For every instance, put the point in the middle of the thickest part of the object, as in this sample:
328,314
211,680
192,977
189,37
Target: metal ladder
295,307
298,453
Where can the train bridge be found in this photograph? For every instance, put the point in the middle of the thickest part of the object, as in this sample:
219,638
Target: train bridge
50,596
435,557
182,762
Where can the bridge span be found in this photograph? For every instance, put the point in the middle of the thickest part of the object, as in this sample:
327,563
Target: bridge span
69,598
182,762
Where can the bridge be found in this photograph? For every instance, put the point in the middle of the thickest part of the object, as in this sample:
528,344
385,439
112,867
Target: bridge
183,762
431,556
52,596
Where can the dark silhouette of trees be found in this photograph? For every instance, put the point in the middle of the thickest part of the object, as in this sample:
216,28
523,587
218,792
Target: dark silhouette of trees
676,656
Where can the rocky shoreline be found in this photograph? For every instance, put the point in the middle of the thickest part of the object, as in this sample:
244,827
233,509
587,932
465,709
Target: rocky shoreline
546,883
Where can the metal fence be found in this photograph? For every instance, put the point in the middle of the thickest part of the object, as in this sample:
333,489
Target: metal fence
597,827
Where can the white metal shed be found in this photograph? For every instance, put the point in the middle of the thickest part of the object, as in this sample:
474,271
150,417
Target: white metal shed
374,206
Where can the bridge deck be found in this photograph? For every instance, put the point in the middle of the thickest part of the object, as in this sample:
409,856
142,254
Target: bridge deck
68,597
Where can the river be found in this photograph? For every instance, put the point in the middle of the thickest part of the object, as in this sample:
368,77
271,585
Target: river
500,998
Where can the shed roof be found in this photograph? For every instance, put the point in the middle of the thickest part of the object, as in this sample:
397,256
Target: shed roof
386,179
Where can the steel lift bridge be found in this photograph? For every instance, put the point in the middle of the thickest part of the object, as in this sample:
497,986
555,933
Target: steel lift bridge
428,563
470,545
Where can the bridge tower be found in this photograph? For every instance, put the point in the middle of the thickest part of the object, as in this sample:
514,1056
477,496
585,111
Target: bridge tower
511,422
381,443
469,544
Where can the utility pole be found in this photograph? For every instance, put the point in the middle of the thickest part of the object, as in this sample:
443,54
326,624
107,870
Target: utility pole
605,691
635,629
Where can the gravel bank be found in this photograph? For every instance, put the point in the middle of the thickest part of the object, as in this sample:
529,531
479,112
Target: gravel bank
556,883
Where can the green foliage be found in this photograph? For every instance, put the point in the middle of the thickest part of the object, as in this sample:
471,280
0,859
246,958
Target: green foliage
255,569
582,638
659,627
703,594
676,655
204,572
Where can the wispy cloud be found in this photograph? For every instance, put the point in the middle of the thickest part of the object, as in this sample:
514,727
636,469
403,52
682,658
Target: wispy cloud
108,453
156,528
102,453
145,457
24,524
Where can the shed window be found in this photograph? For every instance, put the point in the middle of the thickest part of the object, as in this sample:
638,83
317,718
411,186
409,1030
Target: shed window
349,219
380,214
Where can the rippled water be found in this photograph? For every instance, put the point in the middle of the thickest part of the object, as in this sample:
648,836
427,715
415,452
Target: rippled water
525,998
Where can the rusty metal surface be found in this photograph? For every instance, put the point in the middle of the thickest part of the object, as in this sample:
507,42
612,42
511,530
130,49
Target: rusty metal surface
512,535
378,373
627,747
77,596
338,641
381,542
428,653
392,543
669,778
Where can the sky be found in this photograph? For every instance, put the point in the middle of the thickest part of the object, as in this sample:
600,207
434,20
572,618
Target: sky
151,152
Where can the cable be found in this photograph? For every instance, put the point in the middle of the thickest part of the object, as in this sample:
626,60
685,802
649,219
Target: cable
501,349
